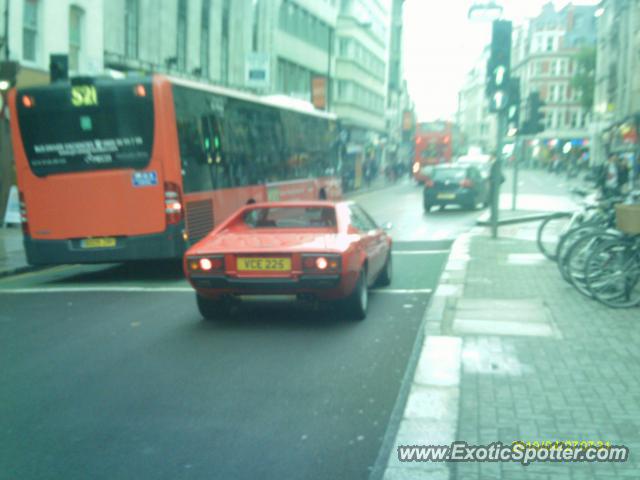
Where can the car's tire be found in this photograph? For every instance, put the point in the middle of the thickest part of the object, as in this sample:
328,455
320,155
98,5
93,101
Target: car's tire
211,309
471,205
386,274
427,207
356,304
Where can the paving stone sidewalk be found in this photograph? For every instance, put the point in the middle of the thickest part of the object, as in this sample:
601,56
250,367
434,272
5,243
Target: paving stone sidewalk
574,377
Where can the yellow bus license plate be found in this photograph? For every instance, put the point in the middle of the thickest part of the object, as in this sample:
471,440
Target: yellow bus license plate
102,242
257,264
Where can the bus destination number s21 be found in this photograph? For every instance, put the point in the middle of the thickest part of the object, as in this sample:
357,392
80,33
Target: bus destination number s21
84,96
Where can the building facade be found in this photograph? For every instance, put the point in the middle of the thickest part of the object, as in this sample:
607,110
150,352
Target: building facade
544,58
616,109
205,40
477,125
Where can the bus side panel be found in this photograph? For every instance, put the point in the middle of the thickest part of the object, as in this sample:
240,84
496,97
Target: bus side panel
166,140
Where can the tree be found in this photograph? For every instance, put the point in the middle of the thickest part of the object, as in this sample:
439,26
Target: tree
584,78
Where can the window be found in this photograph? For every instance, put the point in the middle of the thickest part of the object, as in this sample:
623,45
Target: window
224,47
256,23
181,46
76,18
561,93
131,25
552,93
204,38
550,44
29,29
360,220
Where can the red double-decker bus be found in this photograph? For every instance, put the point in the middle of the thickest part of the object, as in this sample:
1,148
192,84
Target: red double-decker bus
139,168
434,144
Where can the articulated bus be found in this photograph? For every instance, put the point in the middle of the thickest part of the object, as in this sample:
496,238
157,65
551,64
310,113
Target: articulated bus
111,170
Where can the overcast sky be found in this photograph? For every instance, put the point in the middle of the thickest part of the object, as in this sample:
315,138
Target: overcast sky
441,45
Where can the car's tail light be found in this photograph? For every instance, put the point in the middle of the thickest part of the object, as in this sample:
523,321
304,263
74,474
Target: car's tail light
212,264
321,263
466,183
23,214
172,203
428,183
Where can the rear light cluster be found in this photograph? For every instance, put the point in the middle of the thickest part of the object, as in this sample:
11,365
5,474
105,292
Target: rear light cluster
23,214
172,203
466,183
321,263
416,167
214,264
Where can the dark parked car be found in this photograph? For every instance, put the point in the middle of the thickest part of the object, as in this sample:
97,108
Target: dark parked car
462,185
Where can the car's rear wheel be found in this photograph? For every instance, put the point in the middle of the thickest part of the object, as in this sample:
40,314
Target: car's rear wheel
471,204
385,276
211,309
357,303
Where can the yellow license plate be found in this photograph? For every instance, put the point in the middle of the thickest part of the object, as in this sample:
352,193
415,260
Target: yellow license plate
102,242
259,264
446,196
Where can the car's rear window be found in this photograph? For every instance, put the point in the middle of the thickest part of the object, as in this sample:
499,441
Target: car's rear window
449,173
291,217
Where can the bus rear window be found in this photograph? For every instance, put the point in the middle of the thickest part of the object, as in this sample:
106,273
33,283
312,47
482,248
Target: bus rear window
111,127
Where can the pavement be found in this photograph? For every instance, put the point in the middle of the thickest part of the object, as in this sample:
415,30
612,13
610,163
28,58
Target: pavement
12,256
513,353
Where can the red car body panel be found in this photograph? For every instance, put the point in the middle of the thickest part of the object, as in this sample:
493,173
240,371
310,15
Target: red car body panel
234,238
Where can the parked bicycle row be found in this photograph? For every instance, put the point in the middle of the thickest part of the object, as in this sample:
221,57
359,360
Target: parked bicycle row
597,247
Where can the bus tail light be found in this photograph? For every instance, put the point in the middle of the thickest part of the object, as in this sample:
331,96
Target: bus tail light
172,203
466,183
23,214
321,263
140,91
416,167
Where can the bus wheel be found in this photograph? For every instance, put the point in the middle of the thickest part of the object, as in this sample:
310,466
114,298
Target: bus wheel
322,195
251,201
211,309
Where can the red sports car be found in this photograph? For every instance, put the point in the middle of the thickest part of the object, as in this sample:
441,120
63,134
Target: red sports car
327,250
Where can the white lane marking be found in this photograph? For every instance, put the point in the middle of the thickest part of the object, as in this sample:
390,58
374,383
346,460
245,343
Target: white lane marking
402,291
94,289
390,291
419,252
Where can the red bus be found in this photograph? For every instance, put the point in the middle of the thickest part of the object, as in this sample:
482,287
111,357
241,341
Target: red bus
139,168
433,145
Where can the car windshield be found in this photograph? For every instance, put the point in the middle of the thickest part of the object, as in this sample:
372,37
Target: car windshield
444,174
291,217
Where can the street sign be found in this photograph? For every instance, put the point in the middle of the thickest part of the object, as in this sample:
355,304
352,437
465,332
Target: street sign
257,70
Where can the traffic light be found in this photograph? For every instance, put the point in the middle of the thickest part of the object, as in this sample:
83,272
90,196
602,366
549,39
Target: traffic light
513,104
58,67
534,122
499,65
8,74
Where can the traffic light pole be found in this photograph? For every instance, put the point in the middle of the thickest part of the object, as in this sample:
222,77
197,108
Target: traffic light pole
496,177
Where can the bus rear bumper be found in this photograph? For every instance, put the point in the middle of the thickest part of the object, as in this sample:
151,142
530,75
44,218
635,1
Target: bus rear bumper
166,245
